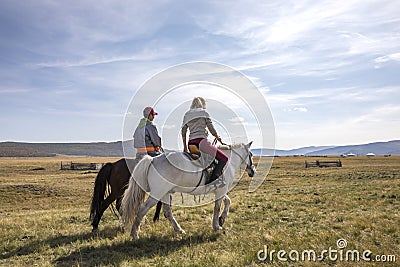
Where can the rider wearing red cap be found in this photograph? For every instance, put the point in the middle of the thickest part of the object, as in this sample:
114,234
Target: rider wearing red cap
146,138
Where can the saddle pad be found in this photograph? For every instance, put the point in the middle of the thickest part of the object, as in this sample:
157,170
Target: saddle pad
181,161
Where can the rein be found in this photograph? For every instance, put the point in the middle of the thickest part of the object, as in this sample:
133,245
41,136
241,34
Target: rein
201,179
233,150
215,142
243,159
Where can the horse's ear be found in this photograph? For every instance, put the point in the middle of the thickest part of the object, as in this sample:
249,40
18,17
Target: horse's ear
249,144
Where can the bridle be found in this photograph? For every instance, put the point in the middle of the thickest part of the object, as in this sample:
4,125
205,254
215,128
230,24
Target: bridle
250,164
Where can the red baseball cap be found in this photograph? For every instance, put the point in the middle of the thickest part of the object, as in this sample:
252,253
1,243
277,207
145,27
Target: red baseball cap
149,110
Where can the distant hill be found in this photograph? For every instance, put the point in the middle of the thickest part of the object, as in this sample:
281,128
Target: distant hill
291,152
378,148
263,152
11,150
114,149
302,150
99,149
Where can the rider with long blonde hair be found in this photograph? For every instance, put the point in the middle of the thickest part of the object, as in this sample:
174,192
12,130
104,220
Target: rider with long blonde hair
197,119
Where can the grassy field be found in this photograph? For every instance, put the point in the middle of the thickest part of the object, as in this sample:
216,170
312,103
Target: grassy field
44,218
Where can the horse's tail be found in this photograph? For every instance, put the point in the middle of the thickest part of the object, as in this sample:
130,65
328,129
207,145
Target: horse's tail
134,195
99,190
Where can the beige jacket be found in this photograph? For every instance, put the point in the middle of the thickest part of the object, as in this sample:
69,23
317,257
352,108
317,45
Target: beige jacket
197,120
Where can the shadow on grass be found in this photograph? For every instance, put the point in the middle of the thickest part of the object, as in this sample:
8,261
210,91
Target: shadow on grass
112,253
147,247
55,241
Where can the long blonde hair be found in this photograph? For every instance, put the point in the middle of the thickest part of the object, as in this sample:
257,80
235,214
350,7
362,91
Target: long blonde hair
198,102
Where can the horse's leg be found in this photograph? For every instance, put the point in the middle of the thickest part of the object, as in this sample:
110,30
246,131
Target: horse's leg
157,213
168,214
144,208
217,209
227,203
104,206
118,204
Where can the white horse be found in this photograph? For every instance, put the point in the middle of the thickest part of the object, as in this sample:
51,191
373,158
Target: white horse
166,174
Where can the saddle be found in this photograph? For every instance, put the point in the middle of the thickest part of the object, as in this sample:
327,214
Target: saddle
194,152
194,155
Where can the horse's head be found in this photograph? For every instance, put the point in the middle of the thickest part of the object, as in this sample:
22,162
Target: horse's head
247,157
251,170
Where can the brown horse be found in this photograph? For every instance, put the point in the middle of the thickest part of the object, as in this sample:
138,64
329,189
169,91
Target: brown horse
116,176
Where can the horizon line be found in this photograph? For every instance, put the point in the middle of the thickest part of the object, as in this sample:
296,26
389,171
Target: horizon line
93,142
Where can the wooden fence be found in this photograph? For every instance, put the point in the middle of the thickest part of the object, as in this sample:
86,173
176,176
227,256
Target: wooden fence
81,166
319,163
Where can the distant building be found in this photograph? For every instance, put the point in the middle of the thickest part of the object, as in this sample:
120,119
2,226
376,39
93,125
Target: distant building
370,154
351,155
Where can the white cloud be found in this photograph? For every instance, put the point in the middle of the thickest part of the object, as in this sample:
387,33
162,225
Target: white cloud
380,124
238,121
394,57
386,113
300,109
305,38
169,126
295,109
14,90
303,56
146,55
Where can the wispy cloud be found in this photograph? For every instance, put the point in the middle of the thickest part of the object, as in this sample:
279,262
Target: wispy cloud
169,126
146,56
14,91
395,56
325,59
238,121
385,113
300,109
313,39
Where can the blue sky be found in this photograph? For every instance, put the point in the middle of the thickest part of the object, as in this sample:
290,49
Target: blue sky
329,70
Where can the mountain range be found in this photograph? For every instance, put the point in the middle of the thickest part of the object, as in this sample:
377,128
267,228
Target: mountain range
95,149
114,149
377,148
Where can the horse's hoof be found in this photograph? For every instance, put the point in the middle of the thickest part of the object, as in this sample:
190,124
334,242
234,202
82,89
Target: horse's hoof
134,235
221,221
217,228
181,231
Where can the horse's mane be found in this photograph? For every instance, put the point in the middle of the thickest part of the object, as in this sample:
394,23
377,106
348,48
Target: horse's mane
229,147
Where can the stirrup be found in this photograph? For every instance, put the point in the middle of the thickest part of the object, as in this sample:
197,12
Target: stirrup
219,182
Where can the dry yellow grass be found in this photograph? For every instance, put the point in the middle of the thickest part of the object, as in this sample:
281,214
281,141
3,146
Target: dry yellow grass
44,217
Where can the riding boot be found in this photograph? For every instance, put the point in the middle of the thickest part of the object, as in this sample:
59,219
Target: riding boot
217,171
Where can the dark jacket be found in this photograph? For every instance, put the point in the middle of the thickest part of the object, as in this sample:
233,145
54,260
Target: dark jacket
146,135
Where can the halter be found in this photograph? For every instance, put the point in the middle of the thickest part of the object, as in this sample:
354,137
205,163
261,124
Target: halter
243,159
